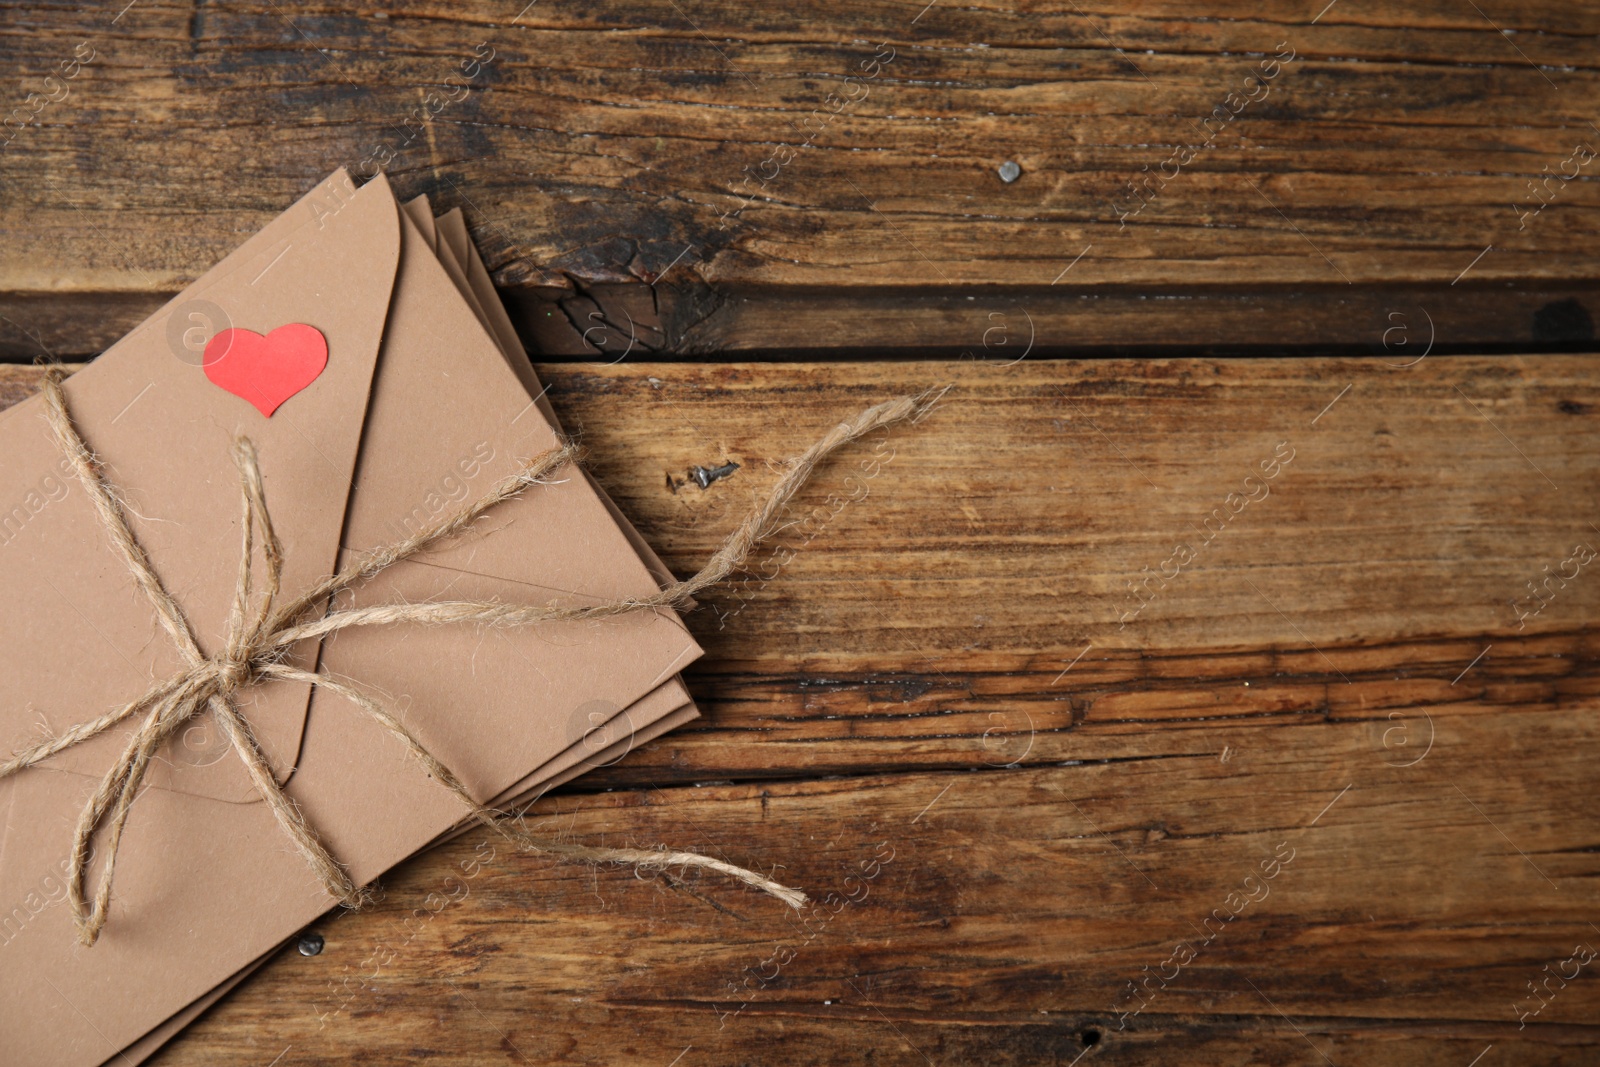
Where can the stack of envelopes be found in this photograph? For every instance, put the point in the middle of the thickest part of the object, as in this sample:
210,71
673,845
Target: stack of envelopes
425,401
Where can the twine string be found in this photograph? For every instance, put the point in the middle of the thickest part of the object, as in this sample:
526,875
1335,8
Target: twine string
262,632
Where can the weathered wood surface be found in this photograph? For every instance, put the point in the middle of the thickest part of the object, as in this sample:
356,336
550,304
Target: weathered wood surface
604,155
937,674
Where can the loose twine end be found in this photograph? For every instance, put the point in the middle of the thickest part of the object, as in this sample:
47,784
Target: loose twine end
261,632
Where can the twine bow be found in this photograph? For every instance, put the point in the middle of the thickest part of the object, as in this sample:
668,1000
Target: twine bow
262,631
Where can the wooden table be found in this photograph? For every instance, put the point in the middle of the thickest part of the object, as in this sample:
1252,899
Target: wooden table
1102,752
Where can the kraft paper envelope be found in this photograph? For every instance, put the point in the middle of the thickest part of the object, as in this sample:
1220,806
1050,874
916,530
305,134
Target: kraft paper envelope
603,742
596,747
205,881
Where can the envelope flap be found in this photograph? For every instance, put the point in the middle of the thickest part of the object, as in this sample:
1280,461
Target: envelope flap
163,430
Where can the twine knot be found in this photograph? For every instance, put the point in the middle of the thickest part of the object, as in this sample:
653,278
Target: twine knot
229,674
262,631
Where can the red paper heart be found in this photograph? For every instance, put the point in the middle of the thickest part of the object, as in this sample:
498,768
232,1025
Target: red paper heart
268,370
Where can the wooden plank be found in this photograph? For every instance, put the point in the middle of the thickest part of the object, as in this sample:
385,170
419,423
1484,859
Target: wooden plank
1013,912
942,669
1010,524
614,146
1397,323
614,323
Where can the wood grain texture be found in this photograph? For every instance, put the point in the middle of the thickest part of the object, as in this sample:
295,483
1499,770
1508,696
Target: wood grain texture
705,163
926,697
